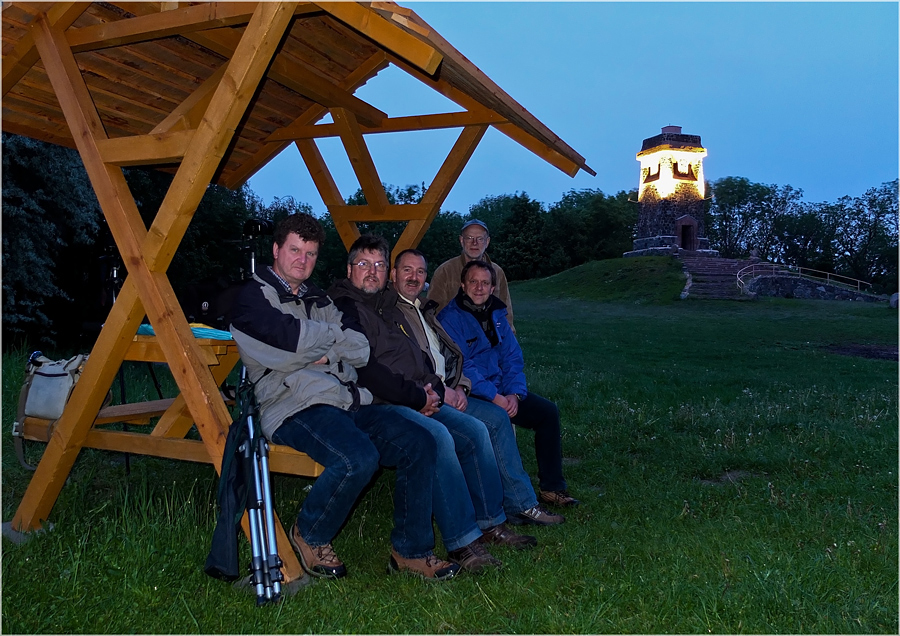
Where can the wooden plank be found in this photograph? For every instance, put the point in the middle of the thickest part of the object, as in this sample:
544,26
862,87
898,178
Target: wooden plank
399,212
25,54
160,25
419,53
296,77
360,159
189,112
436,121
146,149
282,459
243,172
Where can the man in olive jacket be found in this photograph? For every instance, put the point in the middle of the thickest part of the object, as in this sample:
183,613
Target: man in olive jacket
474,239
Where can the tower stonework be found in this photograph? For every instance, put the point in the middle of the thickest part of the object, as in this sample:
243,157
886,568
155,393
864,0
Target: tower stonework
671,196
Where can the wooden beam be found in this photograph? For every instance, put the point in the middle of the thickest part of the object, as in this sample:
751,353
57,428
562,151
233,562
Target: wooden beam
327,188
440,187
436,121
367,21
282,459
363,73
167,23
399,212
296,77
538,147
143,150
214,134
25,54
187,114
360,159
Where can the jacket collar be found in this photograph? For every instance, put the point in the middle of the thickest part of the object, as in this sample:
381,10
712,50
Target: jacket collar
308,293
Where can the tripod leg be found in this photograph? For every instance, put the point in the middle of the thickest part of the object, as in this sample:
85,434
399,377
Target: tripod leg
257,563
274,561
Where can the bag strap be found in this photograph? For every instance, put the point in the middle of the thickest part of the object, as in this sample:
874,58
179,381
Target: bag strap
18,429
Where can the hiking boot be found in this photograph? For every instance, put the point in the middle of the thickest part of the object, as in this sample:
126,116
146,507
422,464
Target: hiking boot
501,534
536,516
474,558
560,498
430,567
317,560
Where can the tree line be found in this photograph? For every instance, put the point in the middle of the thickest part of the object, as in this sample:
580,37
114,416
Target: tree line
58,254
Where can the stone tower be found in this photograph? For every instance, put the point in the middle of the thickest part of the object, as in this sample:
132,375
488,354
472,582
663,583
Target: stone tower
671,195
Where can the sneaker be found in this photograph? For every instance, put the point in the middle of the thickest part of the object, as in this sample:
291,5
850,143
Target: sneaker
537,516
501,534
474,558
317,560
559,498
430,567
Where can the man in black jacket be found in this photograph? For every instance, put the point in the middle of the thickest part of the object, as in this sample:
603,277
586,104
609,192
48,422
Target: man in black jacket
468,497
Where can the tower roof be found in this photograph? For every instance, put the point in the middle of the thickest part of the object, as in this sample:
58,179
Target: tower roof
670,139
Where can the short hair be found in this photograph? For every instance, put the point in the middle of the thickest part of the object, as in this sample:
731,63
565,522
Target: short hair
304,225
482,265
412,251
368,243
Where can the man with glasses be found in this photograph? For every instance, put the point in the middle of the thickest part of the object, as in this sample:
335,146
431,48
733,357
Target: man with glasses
303,367
474,239
468,493
496,367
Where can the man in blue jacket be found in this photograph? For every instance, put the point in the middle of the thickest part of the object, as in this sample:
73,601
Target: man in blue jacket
476,321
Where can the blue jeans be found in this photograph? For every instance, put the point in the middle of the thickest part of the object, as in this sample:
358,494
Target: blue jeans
350,446
518,493
542,416
468,495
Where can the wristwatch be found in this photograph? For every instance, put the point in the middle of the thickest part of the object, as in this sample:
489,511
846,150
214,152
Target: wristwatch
519,396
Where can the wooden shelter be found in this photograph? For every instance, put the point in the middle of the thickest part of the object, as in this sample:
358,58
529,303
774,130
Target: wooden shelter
212,92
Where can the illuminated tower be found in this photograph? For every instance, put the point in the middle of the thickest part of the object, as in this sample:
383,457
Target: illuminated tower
671,195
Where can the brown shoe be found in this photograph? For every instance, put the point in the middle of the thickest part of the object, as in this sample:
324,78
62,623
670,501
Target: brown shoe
317,560
430,568
501,534
536,516
560,498
474,558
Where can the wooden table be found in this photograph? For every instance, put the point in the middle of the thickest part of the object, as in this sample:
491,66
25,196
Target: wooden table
166,439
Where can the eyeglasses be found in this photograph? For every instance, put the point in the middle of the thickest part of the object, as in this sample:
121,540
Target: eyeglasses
478,240
379,266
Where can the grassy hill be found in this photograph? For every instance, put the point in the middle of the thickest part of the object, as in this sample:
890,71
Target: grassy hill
650,279
736,463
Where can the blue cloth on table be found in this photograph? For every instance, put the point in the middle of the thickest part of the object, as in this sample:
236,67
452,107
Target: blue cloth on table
197,329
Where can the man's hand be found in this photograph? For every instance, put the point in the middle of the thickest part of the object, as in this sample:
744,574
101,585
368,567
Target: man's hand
512,405
433,401
322,360
455,398
501,401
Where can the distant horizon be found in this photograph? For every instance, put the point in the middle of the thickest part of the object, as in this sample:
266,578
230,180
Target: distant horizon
800,94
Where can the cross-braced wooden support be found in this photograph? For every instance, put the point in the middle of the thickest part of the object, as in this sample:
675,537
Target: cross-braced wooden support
147,254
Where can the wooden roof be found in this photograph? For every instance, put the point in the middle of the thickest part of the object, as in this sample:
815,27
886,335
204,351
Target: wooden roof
151,68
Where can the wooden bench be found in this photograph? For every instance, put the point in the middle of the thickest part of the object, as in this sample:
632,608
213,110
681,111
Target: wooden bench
167,438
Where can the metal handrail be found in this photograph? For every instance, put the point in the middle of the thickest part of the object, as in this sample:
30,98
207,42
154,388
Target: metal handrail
760,269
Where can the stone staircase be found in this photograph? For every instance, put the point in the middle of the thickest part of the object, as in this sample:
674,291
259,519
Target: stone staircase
713,277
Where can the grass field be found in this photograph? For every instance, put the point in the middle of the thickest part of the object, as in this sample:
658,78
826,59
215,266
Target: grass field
738,473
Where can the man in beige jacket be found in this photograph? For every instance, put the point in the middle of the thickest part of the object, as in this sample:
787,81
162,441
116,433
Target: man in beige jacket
474,239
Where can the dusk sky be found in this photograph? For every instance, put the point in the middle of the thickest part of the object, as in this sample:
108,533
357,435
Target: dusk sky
800,94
